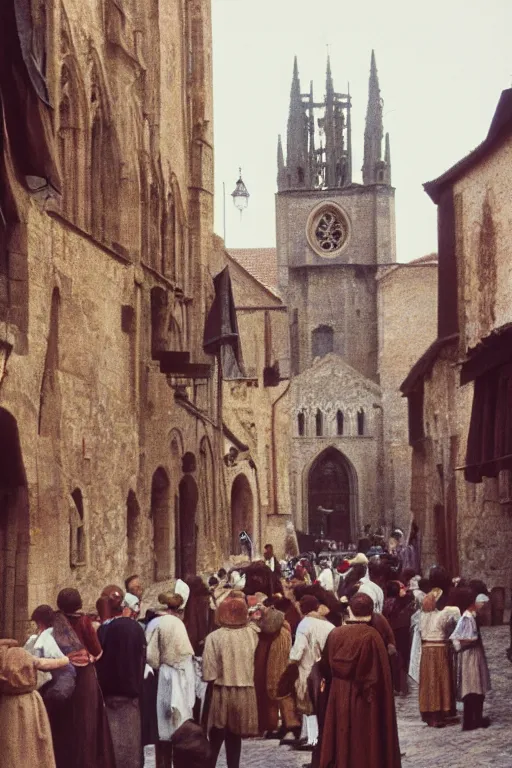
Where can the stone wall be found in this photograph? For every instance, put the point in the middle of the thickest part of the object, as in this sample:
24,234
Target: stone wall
468,525
256,409
115,452
407,303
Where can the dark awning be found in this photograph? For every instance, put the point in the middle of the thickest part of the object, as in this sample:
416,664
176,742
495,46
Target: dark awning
221,334
491,352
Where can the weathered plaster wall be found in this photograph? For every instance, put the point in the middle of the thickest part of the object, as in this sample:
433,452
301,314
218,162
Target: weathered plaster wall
407,326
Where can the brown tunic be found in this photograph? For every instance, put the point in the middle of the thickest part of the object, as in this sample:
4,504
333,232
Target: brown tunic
360,728
26,735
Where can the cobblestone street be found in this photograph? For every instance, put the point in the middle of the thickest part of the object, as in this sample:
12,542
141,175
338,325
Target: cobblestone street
429,747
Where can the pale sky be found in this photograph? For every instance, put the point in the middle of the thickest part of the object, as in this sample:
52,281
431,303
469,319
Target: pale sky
442,65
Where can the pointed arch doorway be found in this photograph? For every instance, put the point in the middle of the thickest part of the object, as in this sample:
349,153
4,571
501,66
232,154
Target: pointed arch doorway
14,531
331,497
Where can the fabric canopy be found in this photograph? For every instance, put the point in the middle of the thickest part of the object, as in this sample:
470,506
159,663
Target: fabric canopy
489,448
221,334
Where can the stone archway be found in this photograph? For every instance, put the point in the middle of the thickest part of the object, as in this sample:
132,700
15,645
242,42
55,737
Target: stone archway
186,550
242,510
331,487
160,514
14,531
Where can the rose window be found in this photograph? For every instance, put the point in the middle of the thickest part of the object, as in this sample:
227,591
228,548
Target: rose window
328,231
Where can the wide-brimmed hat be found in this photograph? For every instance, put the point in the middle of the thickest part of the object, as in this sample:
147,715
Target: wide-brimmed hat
232,612
359,559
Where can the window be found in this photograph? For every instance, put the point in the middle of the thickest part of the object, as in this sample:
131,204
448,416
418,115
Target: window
301,424
339,422
322,341
300,175
360,422
327,230
319,422
77,530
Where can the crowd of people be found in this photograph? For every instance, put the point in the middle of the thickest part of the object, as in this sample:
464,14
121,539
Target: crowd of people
310,652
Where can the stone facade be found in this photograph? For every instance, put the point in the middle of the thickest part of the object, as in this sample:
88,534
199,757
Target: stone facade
407,312
347,304
333,235
467,525
256,410
114,466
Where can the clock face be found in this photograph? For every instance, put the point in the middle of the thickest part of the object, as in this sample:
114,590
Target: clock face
328,230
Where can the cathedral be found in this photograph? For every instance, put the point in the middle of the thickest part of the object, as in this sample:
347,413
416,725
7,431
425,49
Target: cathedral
355,316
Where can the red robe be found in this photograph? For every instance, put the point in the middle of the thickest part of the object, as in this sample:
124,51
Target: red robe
360,728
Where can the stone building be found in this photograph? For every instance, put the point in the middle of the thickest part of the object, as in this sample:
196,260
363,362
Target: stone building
111,437
356,319
256,413
348,305
458,391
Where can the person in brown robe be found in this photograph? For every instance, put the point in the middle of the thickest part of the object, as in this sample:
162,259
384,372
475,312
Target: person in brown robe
360,729
26,736
270,662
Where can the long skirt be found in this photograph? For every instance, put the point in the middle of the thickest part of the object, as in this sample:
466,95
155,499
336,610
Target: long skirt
26,738
234,708
436,694
472,672
125,727
83,734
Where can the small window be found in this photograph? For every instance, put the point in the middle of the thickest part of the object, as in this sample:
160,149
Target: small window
322,341
301,424
319,419
360,422
77,530
300,175
339,423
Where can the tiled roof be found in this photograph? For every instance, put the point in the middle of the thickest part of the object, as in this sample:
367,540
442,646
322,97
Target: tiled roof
430,257
261,263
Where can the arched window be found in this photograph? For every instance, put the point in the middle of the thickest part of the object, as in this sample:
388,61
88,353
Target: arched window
319,423
77,553
322,341
339,422
301,424
360,422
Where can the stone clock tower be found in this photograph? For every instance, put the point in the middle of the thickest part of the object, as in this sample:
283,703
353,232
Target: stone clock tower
333,234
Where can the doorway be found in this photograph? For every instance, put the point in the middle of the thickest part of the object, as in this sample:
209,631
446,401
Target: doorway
160,514
14,531
330,497
242,510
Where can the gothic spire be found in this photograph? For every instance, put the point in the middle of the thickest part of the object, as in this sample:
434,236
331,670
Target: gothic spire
329,84
281,170
296,147
374,129
330,129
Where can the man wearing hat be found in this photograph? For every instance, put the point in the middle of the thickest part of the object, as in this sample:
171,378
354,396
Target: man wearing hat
228,663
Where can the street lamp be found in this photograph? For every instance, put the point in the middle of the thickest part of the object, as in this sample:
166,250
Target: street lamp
240,194
240,197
